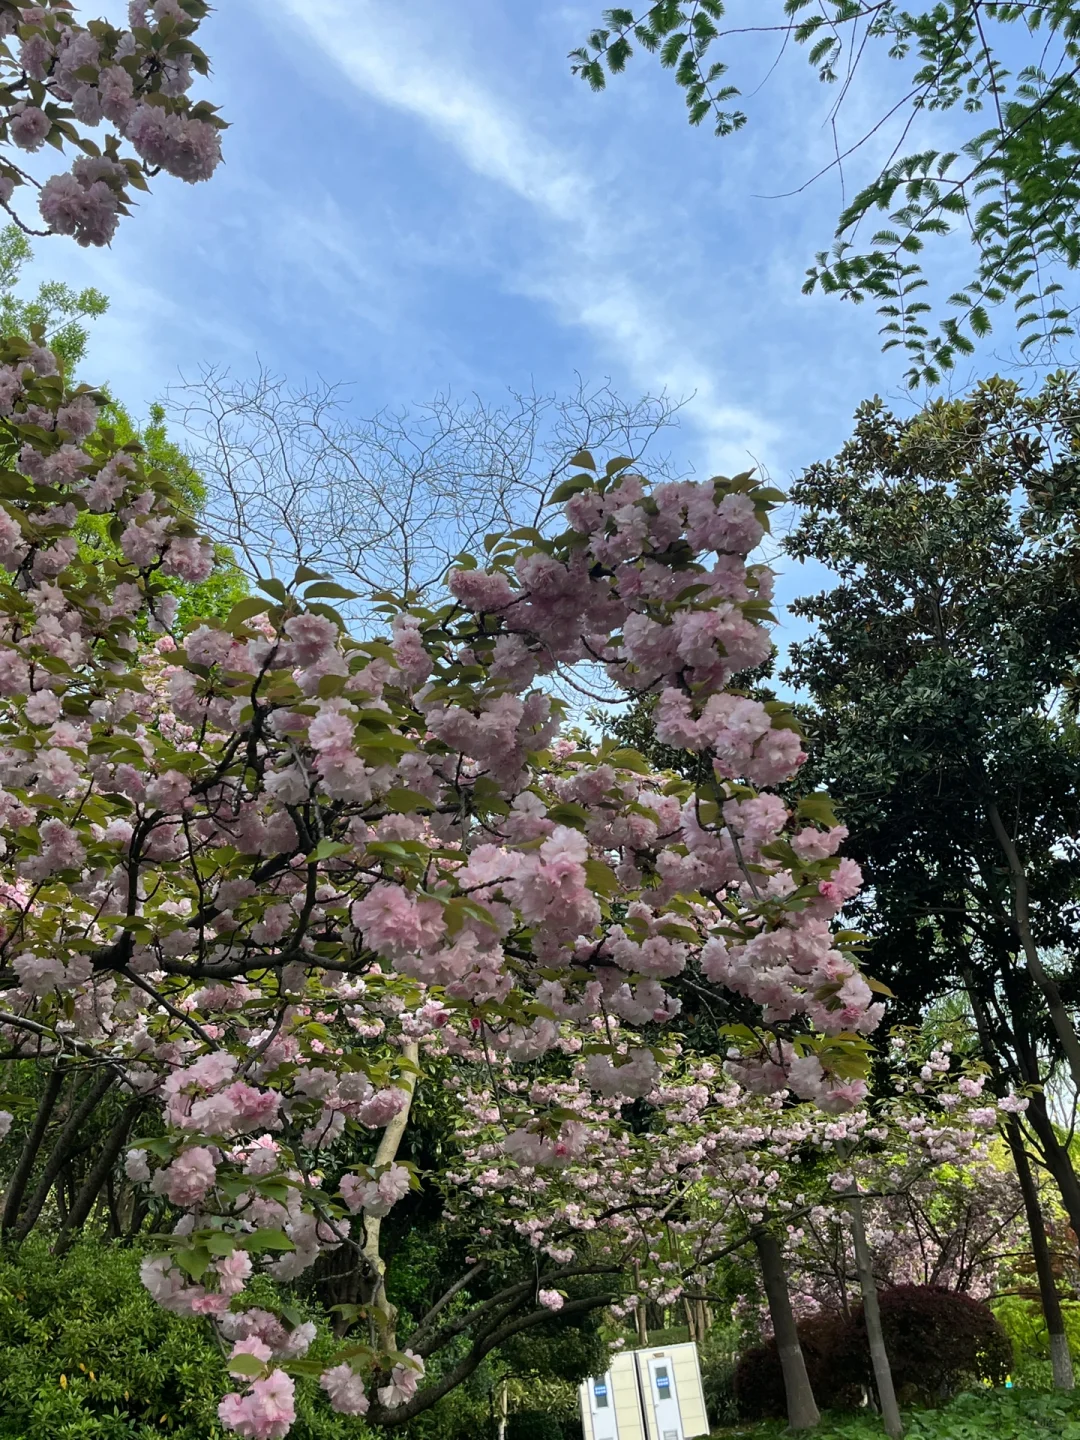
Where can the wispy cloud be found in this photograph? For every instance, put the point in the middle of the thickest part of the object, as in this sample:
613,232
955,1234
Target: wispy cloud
589,271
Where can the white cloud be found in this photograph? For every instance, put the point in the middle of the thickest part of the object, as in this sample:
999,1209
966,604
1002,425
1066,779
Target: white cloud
591,272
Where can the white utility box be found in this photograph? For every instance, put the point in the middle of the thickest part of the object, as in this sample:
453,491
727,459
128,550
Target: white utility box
646,1395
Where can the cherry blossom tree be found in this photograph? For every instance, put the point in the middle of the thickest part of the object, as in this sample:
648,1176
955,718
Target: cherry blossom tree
255,873
231,855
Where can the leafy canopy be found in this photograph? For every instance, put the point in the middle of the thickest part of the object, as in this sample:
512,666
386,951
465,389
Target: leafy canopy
1011,74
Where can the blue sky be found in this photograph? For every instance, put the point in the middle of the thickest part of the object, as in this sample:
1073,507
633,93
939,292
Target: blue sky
422,197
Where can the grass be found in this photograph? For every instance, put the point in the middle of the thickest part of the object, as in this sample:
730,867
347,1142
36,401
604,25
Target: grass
975,1415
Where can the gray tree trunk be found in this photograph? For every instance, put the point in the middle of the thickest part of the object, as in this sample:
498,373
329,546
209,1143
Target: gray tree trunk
879,1356
803,1413
1060,1359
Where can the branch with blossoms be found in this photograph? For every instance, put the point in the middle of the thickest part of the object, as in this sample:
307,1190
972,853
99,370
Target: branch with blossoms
251,863
60,78
685,1188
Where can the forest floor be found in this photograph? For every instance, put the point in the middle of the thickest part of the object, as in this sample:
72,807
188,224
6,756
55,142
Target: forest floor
975,1415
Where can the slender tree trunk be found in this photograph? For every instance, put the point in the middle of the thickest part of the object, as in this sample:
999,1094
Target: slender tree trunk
1060,1359
503,1405
1059,1015
383,1314
140,1207
24,1169
879,1356
99,1172
641,1322
803,1413
1024,1069
65,1143
1057,1158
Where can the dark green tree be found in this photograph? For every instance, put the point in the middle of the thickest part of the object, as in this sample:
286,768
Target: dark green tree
942,679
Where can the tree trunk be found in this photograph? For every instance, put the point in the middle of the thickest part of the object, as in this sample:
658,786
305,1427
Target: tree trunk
1056,1157
803,1413
99,1172
1062,1021
65,1143
384,1315
879,1356
1024,1069
640,1321
1060,1359
503,1401
24,1169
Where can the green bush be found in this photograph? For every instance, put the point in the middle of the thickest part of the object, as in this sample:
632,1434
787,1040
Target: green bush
975,1415
1025,1326
85,1354
718,1356
533,1425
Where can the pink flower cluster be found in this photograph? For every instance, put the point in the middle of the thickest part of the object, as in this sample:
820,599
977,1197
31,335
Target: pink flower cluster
135,80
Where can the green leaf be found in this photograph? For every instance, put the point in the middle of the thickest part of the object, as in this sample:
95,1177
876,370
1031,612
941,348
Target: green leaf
328,590
246,1365
244,610
817,807
266,1240
568,488
273,586
194,1262
407,801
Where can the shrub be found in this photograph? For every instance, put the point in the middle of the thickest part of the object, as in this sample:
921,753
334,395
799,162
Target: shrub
758,1383
717,1355
533,1425
938,1341
85,1354
1025,1325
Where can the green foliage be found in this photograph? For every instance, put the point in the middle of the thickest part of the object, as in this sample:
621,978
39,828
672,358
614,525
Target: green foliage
975,1415
533,1425
216,596
935,672
717,1355
568,1350
86,1354
57,309
1023,1321
1009,72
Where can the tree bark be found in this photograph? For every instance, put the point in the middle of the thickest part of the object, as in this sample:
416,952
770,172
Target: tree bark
24,1169
503,1405
1059,1015
65,1143
383,1314
803,1413
99,1172
1056,1157
1060,1359
879,1356
1023,1068
640,1318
